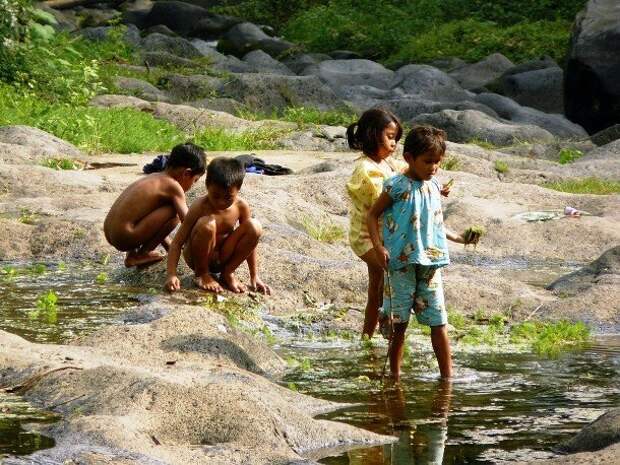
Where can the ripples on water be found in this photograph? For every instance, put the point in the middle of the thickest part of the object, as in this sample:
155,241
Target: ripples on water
501,408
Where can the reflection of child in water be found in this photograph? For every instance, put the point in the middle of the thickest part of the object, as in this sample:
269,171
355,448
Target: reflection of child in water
423,443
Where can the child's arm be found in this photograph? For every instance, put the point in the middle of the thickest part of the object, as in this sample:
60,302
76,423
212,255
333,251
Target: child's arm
383,202
244,215
180,203
452,236
174,254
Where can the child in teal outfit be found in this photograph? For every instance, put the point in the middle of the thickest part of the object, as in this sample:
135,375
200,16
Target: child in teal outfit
415,246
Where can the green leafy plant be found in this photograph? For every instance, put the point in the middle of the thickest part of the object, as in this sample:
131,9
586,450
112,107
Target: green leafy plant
569,155
27,217
101,278
254,139
46,308
501,166
550,338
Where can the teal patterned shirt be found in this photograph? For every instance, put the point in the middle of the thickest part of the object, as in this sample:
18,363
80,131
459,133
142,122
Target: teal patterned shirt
413,230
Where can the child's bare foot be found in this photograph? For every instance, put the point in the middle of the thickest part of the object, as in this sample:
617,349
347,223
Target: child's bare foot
142,259
208,283
232,283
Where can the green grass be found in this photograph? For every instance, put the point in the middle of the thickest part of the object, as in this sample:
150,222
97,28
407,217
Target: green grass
501,166
61,164
253,139
590,185
485,144
569,155
450,164
304,116
323,230
550,338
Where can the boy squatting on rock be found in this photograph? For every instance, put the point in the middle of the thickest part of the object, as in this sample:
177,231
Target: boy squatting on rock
210,238
150,208
414,247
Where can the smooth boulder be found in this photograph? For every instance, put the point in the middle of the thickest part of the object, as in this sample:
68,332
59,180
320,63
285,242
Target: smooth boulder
339,74
245,37
592,87
268,92
602,432
262,62
479,74
427,82
465,126
178,46
508,109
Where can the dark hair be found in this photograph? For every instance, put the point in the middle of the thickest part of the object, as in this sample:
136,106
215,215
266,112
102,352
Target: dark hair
424,139
365,135
225,172
188,155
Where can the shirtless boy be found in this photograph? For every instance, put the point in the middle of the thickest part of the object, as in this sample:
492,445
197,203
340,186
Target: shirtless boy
149,209
218,234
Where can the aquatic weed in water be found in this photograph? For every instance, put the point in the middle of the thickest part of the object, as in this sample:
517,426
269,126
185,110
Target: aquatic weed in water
101,278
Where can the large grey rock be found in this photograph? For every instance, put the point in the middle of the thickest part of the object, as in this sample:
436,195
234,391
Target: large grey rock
608,264
96,34
542,89
187,88
479,74
245,37
448,64
345,55
339,74
175,45
464,126
140,88
161,29
227,105
41,142
136,13
269,92
166,59
298,63
180,17
214,26
592,87
607,135
512,111
220,61
262,62
407,108
426,82
602,432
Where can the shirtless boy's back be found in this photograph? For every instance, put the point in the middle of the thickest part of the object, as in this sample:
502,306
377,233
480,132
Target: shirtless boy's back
212,241
150,208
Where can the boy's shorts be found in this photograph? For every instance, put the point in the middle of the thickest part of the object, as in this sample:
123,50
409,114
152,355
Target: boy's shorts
418,289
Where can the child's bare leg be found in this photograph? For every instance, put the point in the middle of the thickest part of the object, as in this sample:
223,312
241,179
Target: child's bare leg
150,232
397,349
441,346
236,249
201,247
375,293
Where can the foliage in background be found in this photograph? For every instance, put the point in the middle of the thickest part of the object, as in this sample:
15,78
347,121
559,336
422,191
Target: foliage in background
13,34
387,30
304,116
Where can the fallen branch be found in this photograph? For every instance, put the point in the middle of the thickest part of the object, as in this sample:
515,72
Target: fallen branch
533,313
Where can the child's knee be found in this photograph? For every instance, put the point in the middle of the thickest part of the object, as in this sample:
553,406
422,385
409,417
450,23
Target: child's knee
205,227
254,228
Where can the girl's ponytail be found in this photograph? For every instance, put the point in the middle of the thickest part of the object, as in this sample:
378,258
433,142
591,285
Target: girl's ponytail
354,142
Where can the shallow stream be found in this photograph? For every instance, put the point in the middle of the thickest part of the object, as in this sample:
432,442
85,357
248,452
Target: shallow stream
504,405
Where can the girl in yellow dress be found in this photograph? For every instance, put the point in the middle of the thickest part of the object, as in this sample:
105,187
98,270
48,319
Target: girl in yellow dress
376,135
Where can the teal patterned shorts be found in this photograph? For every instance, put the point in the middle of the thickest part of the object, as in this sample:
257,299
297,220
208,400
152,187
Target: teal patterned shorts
415,289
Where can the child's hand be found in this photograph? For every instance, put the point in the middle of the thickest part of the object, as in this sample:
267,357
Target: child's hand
172,284
445,189
259,286
383,256
471,237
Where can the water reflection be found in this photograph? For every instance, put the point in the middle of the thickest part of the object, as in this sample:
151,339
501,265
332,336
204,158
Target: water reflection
418,443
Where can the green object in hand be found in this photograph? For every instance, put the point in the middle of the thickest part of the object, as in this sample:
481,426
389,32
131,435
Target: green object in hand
473,234
449,183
